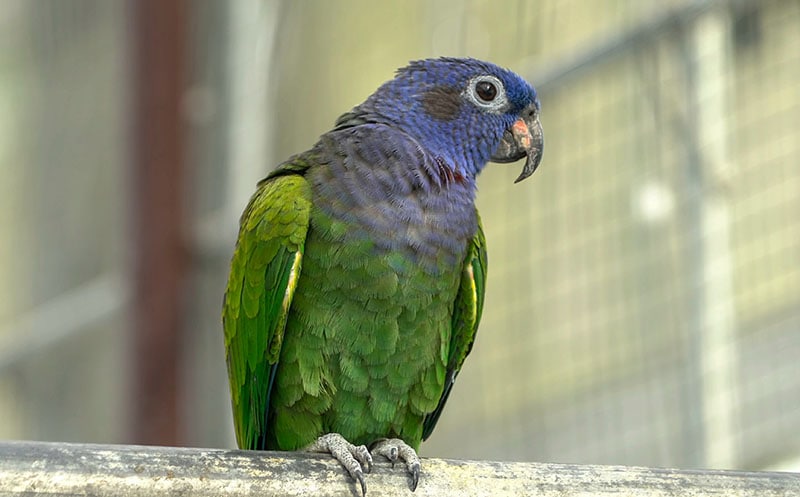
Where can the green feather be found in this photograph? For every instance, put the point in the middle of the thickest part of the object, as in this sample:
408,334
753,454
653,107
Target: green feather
263,277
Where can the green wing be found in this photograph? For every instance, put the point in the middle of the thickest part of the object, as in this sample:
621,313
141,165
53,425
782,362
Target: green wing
466,316
264,273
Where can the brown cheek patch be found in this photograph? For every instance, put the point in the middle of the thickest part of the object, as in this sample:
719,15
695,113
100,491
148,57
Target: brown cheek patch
442,102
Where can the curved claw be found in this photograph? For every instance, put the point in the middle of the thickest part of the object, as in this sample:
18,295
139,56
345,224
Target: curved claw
414,470
359,476
392,455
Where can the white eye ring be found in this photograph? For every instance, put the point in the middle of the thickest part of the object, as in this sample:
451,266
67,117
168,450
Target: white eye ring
498,104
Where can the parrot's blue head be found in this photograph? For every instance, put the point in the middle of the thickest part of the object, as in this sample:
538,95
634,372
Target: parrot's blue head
464,111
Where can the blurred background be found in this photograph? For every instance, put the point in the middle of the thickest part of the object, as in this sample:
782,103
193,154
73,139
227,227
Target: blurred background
643,304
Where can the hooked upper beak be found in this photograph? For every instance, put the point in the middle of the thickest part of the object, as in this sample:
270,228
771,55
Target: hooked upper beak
523,138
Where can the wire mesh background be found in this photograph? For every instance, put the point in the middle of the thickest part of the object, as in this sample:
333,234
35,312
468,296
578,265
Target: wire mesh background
643,302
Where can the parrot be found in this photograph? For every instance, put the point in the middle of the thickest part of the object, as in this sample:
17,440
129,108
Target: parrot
357,281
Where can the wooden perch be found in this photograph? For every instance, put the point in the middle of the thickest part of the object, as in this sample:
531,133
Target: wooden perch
41,468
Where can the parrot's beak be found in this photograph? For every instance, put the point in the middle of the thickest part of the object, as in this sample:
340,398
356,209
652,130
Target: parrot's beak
521,139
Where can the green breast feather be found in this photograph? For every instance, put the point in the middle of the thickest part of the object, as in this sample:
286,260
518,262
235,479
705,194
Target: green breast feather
466,317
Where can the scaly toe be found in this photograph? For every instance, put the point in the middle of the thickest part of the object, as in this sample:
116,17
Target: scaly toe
394,449
361,453
386,449
356,459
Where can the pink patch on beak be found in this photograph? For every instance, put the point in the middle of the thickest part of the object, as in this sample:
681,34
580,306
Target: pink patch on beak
521,133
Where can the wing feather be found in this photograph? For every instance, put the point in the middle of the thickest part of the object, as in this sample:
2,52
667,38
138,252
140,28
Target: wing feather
265,269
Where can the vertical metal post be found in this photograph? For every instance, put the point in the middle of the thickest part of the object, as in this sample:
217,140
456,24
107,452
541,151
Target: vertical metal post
251,74
160,256
713,340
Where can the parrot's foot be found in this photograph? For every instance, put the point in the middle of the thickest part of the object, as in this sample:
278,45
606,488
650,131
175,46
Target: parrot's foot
356,459
394,449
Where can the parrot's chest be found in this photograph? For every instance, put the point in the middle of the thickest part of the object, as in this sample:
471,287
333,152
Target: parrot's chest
370,324
427,230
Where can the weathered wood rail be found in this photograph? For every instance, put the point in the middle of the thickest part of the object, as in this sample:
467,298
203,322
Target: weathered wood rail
42,468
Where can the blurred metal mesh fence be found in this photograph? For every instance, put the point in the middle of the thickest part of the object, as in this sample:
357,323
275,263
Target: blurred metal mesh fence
62,220
644,295
643,302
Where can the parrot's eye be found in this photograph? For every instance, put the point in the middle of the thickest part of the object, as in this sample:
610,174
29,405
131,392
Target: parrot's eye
487,93
486,90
